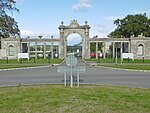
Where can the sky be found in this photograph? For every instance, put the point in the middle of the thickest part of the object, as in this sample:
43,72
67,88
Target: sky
43,17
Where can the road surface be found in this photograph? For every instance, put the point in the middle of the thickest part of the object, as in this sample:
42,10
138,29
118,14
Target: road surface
93,75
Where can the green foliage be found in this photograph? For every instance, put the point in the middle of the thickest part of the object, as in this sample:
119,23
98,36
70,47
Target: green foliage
7,5
132,25
40,36
8,25
93,47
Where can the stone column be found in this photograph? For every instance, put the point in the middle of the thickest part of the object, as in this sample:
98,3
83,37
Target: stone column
65,48
21,49
86,43
44,50
96,50
29,49
88,50
113,49
121,50
52,52
60,49
83,48
35,50
129,47
61,45
104,53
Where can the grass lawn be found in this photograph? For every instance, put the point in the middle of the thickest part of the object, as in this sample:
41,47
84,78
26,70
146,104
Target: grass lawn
108,60
137,64
25,63
86,99
127,66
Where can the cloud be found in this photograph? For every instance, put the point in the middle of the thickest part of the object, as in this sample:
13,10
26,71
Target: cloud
31,34
105,28
25,33
112,18
82,5
102,30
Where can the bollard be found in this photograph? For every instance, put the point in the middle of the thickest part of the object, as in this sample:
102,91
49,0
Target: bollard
49,60
34,59
99,59
128,59
20,60
7,60
143,59
113,60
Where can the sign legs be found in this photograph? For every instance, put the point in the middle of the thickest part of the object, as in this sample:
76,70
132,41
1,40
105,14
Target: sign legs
71,78
65,76
78,78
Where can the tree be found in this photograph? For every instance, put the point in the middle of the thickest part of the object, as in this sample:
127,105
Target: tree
93,47
7,5
132,25
8,25
40,36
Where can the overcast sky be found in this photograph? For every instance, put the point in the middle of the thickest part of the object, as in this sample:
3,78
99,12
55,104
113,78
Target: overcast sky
42,17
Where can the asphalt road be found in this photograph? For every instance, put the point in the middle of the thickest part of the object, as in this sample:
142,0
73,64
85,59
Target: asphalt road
93,75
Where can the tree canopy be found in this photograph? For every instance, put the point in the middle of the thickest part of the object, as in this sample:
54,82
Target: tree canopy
132,25
8,25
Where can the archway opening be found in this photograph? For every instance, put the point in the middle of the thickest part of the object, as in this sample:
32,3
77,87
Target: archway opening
74,45
11,50
140,49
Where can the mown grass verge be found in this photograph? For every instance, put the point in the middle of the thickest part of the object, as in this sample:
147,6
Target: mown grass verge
137,64
4,64
127,66
86,99
113,60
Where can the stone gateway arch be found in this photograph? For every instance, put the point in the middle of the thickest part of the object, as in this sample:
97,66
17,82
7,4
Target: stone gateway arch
74,27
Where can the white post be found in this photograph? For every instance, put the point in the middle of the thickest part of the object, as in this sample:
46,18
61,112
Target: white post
71,78
78,77
65,83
